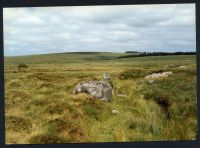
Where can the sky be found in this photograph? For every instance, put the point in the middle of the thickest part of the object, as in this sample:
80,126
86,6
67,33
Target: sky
150,28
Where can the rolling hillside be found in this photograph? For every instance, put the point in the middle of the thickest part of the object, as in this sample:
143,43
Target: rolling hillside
73,57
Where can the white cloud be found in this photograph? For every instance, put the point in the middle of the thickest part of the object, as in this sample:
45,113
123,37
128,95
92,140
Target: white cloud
99,28
31,20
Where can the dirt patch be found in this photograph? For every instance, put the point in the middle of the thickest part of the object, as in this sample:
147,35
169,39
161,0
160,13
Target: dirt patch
164,103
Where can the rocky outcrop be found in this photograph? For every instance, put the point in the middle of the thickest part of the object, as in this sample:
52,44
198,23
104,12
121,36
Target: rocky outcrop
158,75
99,89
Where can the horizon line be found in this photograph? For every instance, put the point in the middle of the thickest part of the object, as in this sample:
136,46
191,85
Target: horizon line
94,52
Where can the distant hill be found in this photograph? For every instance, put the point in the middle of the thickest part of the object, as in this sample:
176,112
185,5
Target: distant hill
79,57
59,58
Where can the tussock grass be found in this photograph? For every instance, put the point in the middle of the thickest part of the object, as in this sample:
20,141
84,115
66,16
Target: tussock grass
14,123
60,124
47,139
45,77
41,107
14,83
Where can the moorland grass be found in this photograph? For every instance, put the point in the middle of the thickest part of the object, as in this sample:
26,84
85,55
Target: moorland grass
41,107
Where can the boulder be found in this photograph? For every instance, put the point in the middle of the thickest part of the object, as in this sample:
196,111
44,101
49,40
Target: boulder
99,89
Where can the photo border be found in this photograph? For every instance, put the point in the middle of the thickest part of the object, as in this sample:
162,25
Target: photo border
48,3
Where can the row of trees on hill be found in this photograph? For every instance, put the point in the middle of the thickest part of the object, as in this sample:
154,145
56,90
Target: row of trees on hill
161,53
140,54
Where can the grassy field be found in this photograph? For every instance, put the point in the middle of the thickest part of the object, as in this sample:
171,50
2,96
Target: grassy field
41,107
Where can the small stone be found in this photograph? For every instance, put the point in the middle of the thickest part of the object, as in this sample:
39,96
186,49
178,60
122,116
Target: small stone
122,95
183,66
115,111
150,81
106,76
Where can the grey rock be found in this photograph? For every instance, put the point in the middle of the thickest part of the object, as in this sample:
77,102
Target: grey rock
99,89
183,66
158,75
106,76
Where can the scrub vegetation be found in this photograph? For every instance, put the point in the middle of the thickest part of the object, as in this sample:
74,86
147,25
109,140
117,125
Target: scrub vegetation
41,108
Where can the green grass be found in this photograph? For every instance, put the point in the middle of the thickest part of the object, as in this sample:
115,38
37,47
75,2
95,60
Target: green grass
62,58
41,107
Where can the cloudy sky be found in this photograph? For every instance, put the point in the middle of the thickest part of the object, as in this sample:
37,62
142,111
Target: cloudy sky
41,30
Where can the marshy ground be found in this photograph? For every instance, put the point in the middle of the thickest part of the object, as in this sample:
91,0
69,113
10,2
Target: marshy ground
40,105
